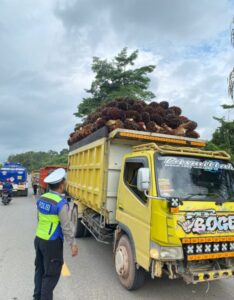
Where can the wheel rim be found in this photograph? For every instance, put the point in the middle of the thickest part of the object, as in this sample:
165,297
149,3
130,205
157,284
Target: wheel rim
122,261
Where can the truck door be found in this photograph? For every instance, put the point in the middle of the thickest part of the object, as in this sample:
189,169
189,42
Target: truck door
134,209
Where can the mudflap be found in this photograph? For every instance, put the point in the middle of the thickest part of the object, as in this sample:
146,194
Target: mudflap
197,277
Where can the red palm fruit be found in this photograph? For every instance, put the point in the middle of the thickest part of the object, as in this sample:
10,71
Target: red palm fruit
164,104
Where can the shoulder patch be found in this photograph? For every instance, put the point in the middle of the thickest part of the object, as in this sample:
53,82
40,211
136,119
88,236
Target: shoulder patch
44,206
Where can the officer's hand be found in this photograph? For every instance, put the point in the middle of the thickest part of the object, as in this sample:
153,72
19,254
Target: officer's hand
74,250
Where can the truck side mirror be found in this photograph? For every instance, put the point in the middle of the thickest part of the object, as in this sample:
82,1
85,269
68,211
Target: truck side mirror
143,179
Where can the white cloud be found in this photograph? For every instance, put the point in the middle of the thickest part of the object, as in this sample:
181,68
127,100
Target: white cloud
47,49
146,21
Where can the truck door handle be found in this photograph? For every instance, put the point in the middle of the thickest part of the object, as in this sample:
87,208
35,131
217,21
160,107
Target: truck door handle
121,208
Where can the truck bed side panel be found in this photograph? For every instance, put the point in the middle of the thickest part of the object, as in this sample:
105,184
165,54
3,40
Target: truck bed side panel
86,174
93,175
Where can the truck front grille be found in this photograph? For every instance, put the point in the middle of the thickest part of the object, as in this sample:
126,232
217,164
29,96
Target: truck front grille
208,248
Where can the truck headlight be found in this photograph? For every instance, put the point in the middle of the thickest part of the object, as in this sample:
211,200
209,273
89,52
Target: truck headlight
165,253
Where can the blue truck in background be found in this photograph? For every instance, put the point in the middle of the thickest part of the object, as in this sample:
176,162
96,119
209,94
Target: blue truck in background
18,175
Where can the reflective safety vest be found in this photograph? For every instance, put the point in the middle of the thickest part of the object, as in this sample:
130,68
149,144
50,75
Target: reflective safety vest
49,206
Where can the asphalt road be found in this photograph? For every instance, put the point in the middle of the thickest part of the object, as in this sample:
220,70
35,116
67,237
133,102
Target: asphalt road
92,274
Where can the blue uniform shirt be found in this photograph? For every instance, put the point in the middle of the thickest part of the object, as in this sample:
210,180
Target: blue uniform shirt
7,186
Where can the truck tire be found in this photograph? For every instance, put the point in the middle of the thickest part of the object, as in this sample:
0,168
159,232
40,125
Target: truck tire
130,277
26,193
78,227
40,191
87,233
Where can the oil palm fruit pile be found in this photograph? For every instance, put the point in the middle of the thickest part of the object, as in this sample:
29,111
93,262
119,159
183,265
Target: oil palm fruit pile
157,117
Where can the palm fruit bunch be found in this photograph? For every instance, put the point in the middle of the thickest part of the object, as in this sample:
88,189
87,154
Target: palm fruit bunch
157,117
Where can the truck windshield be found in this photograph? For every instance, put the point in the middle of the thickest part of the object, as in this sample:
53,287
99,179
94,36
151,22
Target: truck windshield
194,178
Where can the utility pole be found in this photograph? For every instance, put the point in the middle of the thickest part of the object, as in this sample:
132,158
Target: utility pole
231,75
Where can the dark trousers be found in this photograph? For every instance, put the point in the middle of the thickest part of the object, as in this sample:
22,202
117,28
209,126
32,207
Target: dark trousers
35,189
48,266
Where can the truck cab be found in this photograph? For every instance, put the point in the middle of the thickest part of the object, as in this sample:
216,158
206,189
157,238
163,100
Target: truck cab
176,204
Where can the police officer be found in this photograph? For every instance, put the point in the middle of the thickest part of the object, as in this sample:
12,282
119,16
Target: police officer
35,185
53,224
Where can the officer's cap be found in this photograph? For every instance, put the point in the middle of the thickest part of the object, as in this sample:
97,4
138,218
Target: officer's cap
56,176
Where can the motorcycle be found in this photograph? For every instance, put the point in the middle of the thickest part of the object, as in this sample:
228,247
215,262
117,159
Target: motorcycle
6,197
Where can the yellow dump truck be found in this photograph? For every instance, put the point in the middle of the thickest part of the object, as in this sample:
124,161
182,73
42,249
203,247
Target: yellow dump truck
35,175
165,203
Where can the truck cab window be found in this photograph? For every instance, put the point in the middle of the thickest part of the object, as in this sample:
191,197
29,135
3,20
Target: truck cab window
132,166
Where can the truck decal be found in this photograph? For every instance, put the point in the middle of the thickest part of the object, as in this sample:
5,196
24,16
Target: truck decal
201,222
209,165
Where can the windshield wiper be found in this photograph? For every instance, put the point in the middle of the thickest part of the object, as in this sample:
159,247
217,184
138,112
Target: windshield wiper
230,197
192,195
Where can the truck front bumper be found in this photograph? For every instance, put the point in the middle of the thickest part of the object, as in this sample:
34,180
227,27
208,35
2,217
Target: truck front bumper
208,276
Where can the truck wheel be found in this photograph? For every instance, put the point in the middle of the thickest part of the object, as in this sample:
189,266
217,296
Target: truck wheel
87,233
40,192
130,277
26,193
78,227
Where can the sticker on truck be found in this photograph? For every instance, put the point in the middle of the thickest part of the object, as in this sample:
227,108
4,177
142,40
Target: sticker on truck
208,165
202,222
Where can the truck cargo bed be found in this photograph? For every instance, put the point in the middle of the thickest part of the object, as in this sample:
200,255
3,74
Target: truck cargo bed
95,162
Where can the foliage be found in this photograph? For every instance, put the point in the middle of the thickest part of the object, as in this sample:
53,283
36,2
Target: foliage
35,160
116,79
223,137
227,106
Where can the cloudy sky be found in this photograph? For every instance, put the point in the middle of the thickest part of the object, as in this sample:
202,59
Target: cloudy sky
46,49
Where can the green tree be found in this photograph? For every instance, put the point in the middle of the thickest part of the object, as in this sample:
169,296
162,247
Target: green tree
116,79
223,137
64,152
35,160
